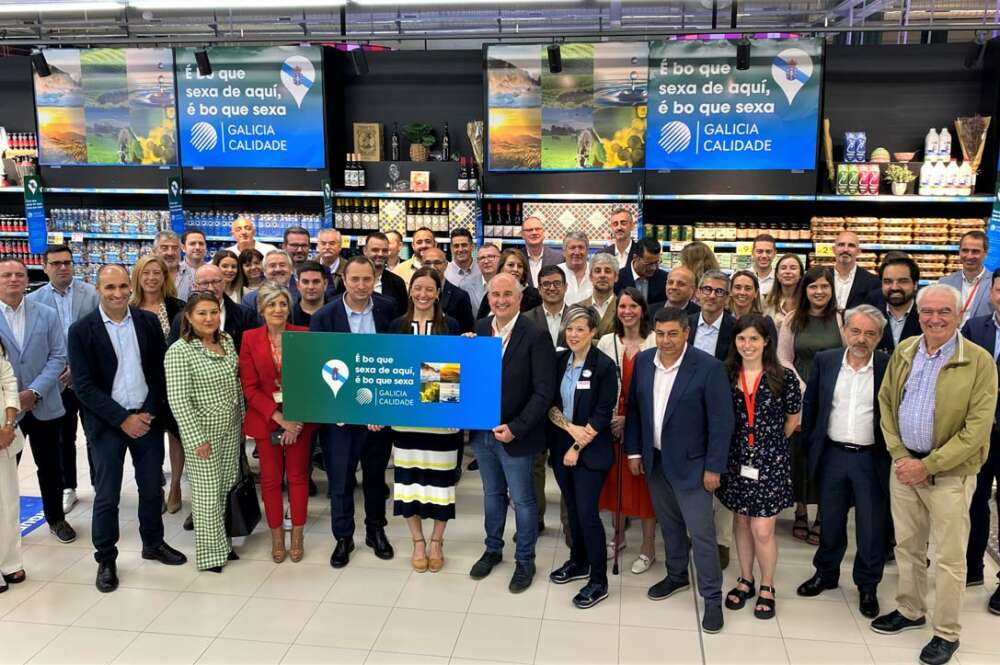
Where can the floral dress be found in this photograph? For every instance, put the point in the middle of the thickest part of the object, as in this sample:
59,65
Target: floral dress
771,454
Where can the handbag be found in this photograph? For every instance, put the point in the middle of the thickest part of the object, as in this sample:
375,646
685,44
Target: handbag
242,506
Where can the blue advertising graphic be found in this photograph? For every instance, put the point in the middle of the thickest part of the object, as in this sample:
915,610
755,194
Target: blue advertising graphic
34,215
993,235
704,114
175,204
260,108
402,380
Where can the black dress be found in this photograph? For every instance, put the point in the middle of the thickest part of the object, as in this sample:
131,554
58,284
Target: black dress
771,454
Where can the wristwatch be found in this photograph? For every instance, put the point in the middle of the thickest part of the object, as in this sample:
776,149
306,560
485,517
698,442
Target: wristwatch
577,447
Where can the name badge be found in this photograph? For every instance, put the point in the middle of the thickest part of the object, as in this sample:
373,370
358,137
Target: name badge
276,396
583,385
587,373
749,472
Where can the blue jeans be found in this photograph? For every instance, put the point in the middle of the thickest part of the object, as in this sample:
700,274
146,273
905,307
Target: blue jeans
501,472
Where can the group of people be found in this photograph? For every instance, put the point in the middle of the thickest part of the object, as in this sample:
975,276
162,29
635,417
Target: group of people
704,402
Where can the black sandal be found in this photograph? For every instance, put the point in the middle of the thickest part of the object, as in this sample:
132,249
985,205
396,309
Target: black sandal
766,603
800,527
814,533
740,593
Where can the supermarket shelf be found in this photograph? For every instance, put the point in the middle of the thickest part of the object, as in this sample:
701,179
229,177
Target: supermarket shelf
733,245
730,197
11,190
888,198
13,234
102,190
548,243
86,235
360,194
561,197
440,241
911,248
252,192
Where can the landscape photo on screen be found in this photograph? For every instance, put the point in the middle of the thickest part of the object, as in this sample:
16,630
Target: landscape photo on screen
108,107
440,383
591,115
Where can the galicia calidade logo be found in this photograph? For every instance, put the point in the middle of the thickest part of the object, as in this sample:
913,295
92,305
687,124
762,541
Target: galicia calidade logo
297,75
364,396
675,136
791,69
204,137
33,186
335,375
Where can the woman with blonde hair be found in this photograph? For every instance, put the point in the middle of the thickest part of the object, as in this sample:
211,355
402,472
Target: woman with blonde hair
153,290
699,259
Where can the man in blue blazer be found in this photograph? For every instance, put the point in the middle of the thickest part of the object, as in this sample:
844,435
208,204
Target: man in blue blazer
455,302
33,337
678,432
358,311
843,440
644,273
973,280
985,331
72,299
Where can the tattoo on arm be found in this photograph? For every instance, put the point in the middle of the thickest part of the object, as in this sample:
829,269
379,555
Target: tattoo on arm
557,418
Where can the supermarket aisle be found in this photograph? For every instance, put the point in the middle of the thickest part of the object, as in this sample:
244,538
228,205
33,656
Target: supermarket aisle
381,612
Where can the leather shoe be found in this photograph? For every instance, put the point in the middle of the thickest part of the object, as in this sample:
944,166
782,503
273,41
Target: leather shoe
342,552
189,522
377,541
485,565
107,576
938,651
723,557
994,605
868,605
165,554
524,573
894,622
816,585
712,621
666,588
590,595
973,579
568,572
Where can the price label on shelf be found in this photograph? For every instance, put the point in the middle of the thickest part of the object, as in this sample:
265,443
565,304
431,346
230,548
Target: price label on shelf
824,249
744,249
76,236
679,245
55,238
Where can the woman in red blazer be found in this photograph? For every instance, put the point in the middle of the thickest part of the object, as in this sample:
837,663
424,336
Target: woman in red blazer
282,445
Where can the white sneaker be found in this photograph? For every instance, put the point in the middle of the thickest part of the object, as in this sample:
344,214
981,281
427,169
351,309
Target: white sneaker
287,522
642,564
69,500
611,548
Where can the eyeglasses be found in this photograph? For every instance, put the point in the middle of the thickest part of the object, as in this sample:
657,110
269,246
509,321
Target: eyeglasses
297,245
708,290
944,311
552,284
60,264
208,284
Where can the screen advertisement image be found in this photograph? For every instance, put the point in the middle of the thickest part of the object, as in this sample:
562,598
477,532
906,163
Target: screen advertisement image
107,107
704,114
591,115
261,107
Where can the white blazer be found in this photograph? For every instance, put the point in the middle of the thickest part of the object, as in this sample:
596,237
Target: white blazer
9,398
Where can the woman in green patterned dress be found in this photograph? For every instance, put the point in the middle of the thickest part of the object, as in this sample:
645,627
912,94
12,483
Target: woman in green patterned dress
203,388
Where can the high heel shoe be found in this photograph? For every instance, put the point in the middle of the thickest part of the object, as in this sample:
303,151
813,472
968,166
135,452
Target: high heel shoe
297,550
173,503
419,563
435,564
278,551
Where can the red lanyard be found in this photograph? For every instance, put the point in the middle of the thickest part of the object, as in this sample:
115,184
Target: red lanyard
750,400
972,294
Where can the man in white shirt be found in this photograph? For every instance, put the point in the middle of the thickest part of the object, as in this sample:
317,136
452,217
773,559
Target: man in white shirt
539,256
395,247
548,315
622,230
764,250
244,233
576,247
851,284
973,279
387,283
847,456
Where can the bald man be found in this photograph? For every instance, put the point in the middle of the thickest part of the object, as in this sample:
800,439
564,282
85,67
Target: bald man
236,319
680,290
851,283
116,355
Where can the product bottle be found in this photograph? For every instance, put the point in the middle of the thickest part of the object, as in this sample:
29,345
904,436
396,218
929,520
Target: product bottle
944,145
931,142
394,143
463,180
926,175
965,179
445,145
360,170
938,176
471,171
349,175
951,179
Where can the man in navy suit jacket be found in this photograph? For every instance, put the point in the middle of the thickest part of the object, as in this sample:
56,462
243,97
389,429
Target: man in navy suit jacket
985,331
644,273
454,301
678,431
847,456
358,311
896,299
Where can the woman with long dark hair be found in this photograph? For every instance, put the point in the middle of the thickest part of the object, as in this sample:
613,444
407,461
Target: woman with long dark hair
252,263
426,458
758,483
814,326
234,279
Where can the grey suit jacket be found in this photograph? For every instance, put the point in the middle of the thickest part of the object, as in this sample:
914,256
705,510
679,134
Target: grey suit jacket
537,316
551,256
980,305
41,360
85,299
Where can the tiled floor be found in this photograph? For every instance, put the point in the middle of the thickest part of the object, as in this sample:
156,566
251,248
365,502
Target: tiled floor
380,612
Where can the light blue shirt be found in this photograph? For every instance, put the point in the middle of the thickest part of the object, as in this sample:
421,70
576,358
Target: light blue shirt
996,341
363,321
567,389
129,388
64,305
470,281
916,412
707,337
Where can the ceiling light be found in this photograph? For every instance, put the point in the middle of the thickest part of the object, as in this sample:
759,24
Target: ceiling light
144,5
412,3
65,6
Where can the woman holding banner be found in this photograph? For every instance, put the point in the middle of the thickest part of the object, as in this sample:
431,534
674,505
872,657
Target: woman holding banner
283,446
426,459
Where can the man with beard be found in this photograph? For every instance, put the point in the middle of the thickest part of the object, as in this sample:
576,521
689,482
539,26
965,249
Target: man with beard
167,245
195,247
622,229
851,283
463,271
423,239
387,283
644,273
603,274
311,280
899,275
847,456
454,301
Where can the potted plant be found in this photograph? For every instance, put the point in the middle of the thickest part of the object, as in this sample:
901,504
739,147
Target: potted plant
900,177
421,138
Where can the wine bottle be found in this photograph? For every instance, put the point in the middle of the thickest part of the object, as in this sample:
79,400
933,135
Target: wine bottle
360,170
470,170
349,175
463,179
394,143
445,145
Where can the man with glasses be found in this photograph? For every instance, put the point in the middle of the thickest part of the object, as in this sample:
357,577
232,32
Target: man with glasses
644,273
937,447
539,256
454,301
711,330
195,248
488,260
236,318
72,299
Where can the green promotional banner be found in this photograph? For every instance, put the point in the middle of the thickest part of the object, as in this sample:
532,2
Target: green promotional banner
327,203
34,214
426,381
175,203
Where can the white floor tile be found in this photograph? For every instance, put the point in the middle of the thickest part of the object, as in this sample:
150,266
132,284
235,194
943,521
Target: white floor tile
810,652
425,632
504,639
47,562
493,597
564,642
21,641
301,654
270,620
344,626
242,652
127,609
724,648
437,591
83,646
154,649
392,658
812,620
658,646
367,586
200,614
237,577
55,604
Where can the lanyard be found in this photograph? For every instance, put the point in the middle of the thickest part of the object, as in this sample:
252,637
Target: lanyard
972,293
750,400
275,355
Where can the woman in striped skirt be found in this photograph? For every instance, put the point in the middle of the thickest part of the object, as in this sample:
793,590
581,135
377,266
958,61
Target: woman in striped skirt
426,459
